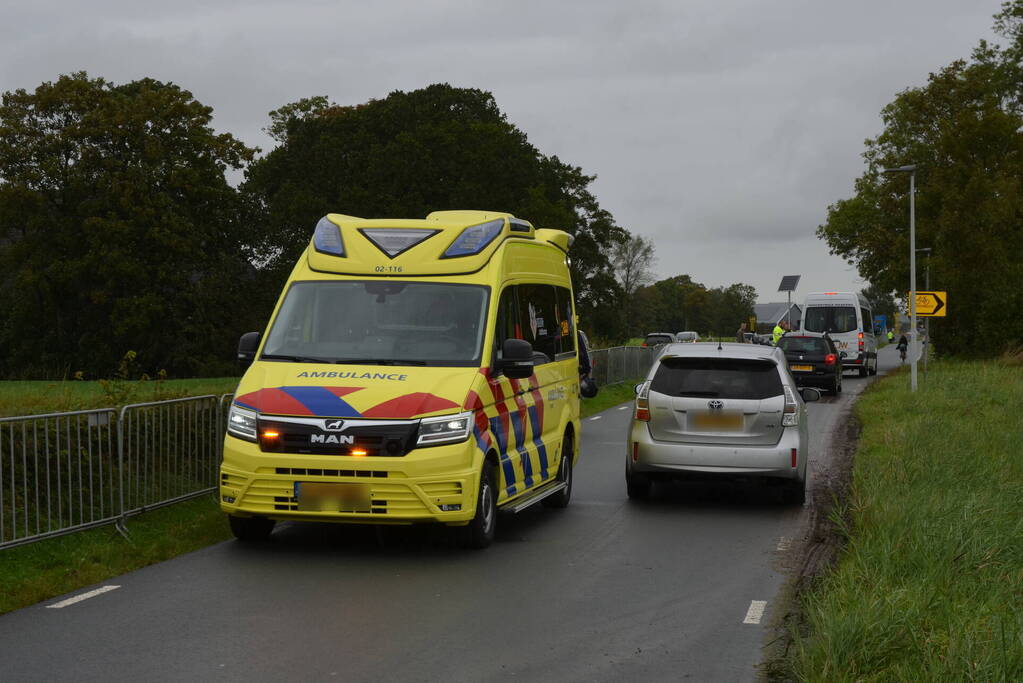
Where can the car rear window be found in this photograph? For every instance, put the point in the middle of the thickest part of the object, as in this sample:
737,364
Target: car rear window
804,345
658,339
830,319
717,378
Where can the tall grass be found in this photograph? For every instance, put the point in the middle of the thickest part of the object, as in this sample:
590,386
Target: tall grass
930,584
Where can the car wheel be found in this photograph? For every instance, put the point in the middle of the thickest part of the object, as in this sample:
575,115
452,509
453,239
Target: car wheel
637,485
479,532
562,497
251,529
838,384
873,369
863,371
833,386
794,492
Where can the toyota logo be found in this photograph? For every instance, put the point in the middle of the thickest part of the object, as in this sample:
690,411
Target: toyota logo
716,404
334,425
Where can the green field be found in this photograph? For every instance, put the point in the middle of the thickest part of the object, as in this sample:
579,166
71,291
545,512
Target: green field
34,398
929,586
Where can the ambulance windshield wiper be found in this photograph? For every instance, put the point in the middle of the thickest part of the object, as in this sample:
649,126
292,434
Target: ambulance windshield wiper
294,359
377,361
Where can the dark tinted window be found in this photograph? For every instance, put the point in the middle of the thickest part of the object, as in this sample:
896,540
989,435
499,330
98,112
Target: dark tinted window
804,345
652,339
538,319
830,319
566,324
717,378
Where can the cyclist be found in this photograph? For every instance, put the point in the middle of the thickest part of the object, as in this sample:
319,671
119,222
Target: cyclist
902,346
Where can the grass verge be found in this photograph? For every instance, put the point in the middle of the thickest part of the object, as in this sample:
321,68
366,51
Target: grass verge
42,570
34,398
929,585
608,397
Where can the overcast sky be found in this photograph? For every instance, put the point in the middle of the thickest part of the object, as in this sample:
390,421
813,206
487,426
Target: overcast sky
721,129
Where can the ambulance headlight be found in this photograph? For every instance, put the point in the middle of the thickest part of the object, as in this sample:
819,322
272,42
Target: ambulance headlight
444,429
327,238
241,423
475,239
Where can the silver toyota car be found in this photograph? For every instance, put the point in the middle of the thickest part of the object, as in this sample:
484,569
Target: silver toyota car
710,409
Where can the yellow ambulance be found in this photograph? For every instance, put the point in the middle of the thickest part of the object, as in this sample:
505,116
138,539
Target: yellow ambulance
413,371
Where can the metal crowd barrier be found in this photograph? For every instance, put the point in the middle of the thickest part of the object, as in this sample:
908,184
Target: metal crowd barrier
621,363
169,451
64,472
58,473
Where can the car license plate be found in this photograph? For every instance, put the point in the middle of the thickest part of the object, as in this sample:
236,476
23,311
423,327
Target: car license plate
801,368
719,421
317,496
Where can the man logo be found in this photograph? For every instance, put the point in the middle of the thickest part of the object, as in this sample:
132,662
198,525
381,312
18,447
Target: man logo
339,439
334,425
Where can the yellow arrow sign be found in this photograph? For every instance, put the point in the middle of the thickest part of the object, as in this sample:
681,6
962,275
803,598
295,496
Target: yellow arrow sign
931,304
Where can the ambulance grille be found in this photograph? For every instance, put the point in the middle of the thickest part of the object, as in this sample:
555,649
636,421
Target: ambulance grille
381,438
312,472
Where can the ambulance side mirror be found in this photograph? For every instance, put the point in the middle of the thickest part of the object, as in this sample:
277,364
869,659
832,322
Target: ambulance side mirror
516,360
247,345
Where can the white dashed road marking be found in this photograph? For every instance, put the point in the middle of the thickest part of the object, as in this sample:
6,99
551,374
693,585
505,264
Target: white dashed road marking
596,418
83,596
755,611
624,407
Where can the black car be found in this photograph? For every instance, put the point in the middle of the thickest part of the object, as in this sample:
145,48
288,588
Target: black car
813,360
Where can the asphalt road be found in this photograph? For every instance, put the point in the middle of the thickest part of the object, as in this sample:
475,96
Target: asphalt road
606,589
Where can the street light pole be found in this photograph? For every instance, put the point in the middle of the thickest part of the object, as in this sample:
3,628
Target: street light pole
911,170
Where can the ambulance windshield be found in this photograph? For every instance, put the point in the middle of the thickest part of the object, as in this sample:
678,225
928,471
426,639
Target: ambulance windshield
380,323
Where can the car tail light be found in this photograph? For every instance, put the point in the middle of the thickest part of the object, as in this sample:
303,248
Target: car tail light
644,344
790,417
830,359
635,452
643,403
861,341
795,457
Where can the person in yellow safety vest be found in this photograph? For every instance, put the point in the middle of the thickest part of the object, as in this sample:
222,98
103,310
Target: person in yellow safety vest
779,330
891,336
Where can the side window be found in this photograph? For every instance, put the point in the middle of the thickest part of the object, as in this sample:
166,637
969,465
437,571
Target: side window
566,324
868,321
538,320
507,315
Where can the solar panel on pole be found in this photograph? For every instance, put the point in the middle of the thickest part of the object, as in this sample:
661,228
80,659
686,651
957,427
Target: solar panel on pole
788,285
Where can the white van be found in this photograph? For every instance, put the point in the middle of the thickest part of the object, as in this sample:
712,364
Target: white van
848,320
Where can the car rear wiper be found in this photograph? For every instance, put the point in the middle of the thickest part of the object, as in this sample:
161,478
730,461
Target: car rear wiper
698,394
294,359
376,361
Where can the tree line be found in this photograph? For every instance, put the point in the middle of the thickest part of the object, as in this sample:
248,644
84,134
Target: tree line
120,231
964,131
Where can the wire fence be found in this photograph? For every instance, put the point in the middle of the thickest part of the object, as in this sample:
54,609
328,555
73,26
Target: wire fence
64,472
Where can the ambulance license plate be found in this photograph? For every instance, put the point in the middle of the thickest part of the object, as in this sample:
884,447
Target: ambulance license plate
314,496
801,368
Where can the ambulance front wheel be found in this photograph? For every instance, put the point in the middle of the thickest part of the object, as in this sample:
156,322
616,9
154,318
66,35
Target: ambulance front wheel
479,532
251,529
